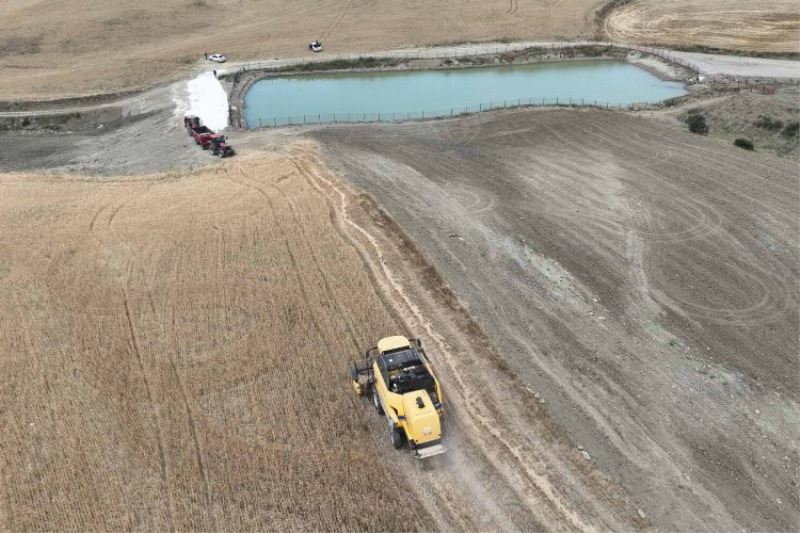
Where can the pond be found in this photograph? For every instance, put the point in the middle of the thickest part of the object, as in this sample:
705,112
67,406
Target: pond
407,95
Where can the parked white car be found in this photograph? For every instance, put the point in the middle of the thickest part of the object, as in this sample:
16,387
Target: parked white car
315,46
218,58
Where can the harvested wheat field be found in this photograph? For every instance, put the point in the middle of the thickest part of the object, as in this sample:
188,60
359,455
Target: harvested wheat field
76,48
758,26
175,353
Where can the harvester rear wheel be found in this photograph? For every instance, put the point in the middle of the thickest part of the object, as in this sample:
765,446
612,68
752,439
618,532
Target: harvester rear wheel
377,402
397,438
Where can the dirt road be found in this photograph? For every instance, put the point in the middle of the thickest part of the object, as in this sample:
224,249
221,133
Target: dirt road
738,66
175,358
642,280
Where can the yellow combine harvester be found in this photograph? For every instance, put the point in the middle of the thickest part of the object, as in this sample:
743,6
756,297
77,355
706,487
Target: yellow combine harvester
399,378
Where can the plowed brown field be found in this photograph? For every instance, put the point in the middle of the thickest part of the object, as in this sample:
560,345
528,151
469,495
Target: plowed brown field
643,279
174,357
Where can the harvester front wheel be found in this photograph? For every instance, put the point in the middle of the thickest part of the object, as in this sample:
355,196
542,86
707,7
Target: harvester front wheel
377,402
397,438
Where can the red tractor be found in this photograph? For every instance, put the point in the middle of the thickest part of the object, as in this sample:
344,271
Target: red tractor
220,147
206,138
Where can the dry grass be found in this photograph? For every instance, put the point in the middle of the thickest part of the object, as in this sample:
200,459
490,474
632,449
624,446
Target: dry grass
79,47
763,119
174,352
762,26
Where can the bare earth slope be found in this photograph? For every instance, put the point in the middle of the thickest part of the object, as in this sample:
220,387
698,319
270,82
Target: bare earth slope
175,352
760,25
645,280
74,47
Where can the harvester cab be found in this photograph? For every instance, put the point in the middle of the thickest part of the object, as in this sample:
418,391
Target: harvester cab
397,376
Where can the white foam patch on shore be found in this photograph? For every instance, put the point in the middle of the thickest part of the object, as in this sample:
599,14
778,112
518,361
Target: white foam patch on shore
207,99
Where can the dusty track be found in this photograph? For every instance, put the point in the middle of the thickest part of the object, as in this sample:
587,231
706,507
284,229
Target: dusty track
175,359
643,280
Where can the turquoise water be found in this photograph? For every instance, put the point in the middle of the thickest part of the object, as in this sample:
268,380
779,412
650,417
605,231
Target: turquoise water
398,95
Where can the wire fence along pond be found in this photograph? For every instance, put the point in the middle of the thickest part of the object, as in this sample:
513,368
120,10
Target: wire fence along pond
365,118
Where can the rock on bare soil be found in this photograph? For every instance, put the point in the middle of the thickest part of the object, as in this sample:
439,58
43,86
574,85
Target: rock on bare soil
643,280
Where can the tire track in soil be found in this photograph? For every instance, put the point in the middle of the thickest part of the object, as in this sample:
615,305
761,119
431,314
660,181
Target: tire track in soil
338,225
198,452
292,258
477,418
50,411
336,20
168,500
511,7
773,288
774,292
481,423
9,517
705,221
163,466
692,148
709,220
320,270
443,501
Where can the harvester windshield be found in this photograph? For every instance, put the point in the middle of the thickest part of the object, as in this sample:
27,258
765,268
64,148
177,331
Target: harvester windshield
404,371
